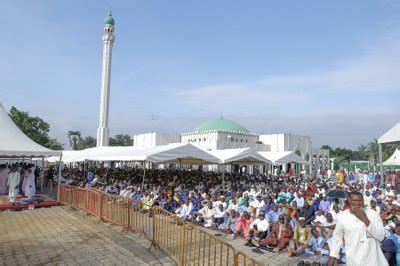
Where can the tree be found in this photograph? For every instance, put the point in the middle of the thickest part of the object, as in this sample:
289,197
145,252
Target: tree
327,147
373,150
362,150
121,140
87,142
74,138
34,127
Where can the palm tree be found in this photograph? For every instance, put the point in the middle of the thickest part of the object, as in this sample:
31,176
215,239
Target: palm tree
74,138
362,149
373,150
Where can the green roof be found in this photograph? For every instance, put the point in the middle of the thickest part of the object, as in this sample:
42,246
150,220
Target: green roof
221,124
109,20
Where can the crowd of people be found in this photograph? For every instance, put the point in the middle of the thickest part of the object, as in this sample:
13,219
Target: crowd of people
290,213
18,179
283,213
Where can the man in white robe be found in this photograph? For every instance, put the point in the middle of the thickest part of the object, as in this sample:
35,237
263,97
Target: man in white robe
30,187
362,230
13,183
3,179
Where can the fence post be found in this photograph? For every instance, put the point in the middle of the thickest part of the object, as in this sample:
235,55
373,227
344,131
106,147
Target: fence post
87,199
100,206
236,259
182,243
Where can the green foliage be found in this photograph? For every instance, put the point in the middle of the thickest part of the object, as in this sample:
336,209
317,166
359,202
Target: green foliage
87,142
121,140
367,152
34,127
78,142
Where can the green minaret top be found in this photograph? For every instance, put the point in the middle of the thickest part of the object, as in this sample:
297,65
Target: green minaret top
109,19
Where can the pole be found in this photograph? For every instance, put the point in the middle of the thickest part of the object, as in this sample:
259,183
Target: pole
380,162
59,178
42,174
223,179
144,173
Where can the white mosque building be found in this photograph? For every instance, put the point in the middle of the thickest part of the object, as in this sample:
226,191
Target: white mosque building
221,134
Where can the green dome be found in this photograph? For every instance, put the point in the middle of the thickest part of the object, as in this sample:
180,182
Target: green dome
221,124
109,20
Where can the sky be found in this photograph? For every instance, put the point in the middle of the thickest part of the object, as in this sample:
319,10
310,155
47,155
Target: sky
326,69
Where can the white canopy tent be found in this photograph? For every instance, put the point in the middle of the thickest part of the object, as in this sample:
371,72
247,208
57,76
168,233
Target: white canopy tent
392,136
15,144
245,156
279,158
394,159
174,153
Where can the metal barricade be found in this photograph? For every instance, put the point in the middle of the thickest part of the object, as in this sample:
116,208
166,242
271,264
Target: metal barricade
201,247
66,194
141,219
79,198
185,243
93,202
243,260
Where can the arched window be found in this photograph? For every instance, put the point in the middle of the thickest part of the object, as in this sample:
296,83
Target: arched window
204,139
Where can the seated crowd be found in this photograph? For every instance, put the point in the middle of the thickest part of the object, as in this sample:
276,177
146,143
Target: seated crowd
283,213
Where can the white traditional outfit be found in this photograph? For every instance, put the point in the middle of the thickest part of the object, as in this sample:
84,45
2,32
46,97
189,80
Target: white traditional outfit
3,180
30,187
13,183
361,242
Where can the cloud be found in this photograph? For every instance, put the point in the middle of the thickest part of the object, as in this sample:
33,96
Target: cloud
238,97
376,69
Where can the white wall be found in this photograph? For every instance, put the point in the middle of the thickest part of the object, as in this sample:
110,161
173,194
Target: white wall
223,140
155,139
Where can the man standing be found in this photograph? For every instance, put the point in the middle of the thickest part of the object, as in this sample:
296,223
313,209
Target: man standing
30,187
362,230
13,183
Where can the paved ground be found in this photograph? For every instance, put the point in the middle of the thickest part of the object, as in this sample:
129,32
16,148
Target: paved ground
60,236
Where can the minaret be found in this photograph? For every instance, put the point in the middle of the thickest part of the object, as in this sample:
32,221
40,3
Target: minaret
108,40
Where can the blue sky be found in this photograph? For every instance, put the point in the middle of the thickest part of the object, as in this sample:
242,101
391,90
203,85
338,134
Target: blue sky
328,69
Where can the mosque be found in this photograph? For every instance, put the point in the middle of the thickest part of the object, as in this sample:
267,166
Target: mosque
214,135
221,134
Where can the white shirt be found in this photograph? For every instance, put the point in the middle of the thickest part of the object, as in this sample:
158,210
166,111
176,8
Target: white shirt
320,218
262,225
257,204
362,242
184,210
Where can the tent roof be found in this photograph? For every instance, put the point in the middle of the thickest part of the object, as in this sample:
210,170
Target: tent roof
184,153
245,155
391,136
278,158
14,143
394,159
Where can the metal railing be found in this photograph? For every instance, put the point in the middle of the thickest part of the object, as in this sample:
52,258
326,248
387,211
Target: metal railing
184,242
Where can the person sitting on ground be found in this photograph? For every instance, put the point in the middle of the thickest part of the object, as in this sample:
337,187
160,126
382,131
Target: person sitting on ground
219,215
317,245
259,228
243,224
229,226
184,210
307,212
319,218
273,214
326,229
279,238
301,238
205,215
